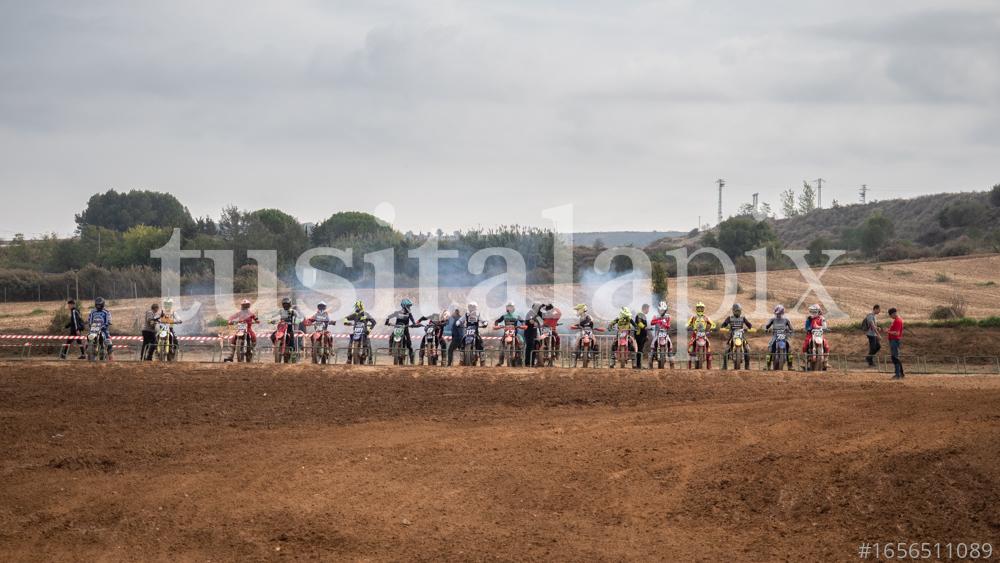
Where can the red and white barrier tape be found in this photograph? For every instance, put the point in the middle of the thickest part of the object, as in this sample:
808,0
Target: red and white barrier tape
65,337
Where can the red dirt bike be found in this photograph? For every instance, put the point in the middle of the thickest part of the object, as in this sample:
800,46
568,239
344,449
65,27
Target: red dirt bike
510,346
661,350
699,355
624,347
321,342
284,342
546,348
816,359
243,344
586,345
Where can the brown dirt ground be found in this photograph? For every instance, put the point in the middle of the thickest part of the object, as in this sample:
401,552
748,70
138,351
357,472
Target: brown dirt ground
126,462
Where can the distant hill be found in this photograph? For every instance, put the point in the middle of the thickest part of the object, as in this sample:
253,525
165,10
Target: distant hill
638,239
928,221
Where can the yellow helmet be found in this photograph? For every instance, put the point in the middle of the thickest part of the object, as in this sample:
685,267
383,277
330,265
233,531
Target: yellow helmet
168,304
581,308
625,313
359,306
699,307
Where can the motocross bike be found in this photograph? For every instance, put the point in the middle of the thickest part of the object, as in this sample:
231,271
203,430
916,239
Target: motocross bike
359,351
546,346
662,350
817,356
737,351
470,352
321,341
97,344
397,345
430,346
510,349
624,347
780,357
284,342
166,342
243,344
700,357
586,346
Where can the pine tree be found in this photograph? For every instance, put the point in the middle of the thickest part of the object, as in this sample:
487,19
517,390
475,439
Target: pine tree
807,199
788,208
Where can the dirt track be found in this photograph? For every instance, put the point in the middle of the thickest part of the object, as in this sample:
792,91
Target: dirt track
256,462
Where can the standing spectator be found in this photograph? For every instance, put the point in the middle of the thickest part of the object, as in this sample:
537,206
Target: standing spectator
531,322
75,326
874,335
895,334
455,330
641,332
149,332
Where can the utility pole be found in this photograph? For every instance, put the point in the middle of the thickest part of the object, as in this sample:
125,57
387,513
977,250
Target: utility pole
721,183
819,193
864,192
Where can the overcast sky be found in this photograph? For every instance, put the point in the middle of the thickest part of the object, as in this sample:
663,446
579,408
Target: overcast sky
485,112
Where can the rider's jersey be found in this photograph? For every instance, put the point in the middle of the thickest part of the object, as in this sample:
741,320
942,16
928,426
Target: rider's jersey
469,321
167,319
779,325
737,323
320,317
661,322
403,317
361,317
701,323
103,316
811,322
287,315
508,319
622,324
244,316
586,321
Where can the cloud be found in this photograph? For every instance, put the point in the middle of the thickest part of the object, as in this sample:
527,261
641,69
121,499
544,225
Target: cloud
465,113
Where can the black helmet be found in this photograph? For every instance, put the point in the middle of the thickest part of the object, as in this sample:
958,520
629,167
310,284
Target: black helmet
99,303
286,302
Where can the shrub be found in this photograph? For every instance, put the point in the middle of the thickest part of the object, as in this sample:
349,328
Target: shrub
958,247
942,277
995,196
59,321
955,309
990,283
990,322
218,321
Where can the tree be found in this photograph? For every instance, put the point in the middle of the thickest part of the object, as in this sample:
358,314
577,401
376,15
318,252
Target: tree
995,196
746,209
659,281
875,232
740,234
807,199
816,249
765,209
348,223
788,208
122,211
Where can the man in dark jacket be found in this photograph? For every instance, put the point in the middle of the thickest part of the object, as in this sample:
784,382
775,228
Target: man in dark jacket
456,332
149,332
75,326
641,334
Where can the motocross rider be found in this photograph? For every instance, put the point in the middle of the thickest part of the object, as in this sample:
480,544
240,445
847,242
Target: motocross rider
661,322
816,320
289,315
510,319
700,323
735,322
624,322
361,316
778,325
584,320
168,318
244,315
321,316
103,316
405,319
437,322
471,319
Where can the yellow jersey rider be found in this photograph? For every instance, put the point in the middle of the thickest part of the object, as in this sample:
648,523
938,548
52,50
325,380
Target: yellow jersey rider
699,323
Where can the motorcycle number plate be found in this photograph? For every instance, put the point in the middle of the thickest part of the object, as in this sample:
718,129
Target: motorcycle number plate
470,331
702,335
359,329
780,336
817,333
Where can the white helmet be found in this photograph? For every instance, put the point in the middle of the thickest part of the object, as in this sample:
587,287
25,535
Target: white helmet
814,309
662,307
321,305
473,307
510,307
168,304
